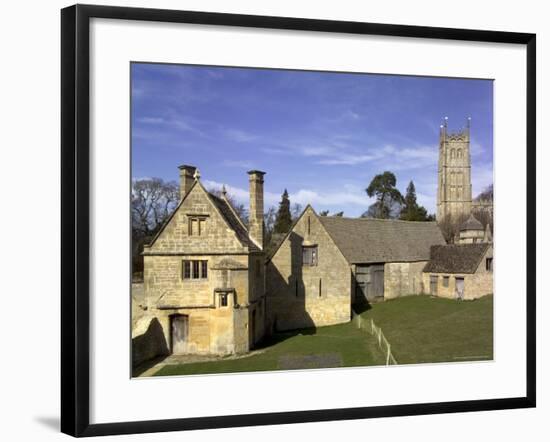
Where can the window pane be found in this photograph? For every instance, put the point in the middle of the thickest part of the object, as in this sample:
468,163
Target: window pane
195,269
186,269
204,269
306,256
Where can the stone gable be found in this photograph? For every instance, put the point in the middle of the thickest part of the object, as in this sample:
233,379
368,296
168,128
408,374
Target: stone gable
308,296
217,236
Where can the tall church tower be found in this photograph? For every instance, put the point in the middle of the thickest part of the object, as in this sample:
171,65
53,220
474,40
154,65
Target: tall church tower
454,183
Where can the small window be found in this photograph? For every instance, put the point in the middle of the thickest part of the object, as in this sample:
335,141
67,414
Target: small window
197,269
194,227
197,225
489,264
445,281
223,300
309,256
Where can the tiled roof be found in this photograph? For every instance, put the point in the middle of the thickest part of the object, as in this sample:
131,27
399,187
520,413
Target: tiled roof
233,222
471,224
456,258
368,240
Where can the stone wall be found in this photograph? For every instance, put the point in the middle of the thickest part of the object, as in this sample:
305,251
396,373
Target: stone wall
403,278
308,296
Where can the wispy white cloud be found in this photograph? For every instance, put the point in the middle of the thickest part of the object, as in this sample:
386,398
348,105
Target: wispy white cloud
245,164
151,120
347,160
174,123
348,196
239,135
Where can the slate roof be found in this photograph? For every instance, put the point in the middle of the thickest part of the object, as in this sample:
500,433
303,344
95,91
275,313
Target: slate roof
456,258
234,223
368,240
471,223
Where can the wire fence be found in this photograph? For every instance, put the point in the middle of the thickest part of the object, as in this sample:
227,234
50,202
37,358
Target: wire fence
369,326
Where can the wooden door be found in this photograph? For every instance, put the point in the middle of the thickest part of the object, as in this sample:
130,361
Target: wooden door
459,288
180,333
362,281
377,276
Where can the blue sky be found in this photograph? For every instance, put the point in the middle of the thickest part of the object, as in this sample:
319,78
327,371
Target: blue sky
323,136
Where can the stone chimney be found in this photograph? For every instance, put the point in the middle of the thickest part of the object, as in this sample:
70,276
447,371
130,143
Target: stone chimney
256,213
187,178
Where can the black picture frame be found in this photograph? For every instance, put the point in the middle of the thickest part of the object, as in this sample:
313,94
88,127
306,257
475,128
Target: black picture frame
75,212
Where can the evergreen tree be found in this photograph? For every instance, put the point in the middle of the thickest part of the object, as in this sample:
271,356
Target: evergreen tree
388,198
411,211
283,222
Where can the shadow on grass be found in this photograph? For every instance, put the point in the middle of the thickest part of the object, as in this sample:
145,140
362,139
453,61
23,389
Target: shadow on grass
140,369
279,337
359,308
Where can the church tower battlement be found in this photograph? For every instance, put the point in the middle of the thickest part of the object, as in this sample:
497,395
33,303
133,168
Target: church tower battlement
454,183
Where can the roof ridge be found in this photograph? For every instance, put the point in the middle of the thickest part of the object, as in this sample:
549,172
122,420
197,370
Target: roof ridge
375,219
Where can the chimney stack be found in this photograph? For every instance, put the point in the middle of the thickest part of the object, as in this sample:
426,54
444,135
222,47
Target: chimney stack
256,215
187,179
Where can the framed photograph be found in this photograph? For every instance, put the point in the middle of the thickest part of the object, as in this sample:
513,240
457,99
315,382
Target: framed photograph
262,208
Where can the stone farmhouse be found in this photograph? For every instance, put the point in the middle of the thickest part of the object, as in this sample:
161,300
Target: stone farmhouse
204,272
325,264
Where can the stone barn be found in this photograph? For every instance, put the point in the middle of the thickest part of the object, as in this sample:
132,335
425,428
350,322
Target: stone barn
204,272
460,271
327,263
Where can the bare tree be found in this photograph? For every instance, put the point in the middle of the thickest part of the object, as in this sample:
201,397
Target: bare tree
484,216
153,200
450,226
296,211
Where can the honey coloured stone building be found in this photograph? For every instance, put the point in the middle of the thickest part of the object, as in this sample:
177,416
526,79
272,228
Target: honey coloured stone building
204,273
463,270
325,264
460,271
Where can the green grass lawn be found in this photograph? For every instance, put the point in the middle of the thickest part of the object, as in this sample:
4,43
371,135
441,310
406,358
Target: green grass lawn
419,328
425,329
333,346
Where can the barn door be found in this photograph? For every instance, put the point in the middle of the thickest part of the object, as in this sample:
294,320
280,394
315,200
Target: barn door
180,333
369,282
362,281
